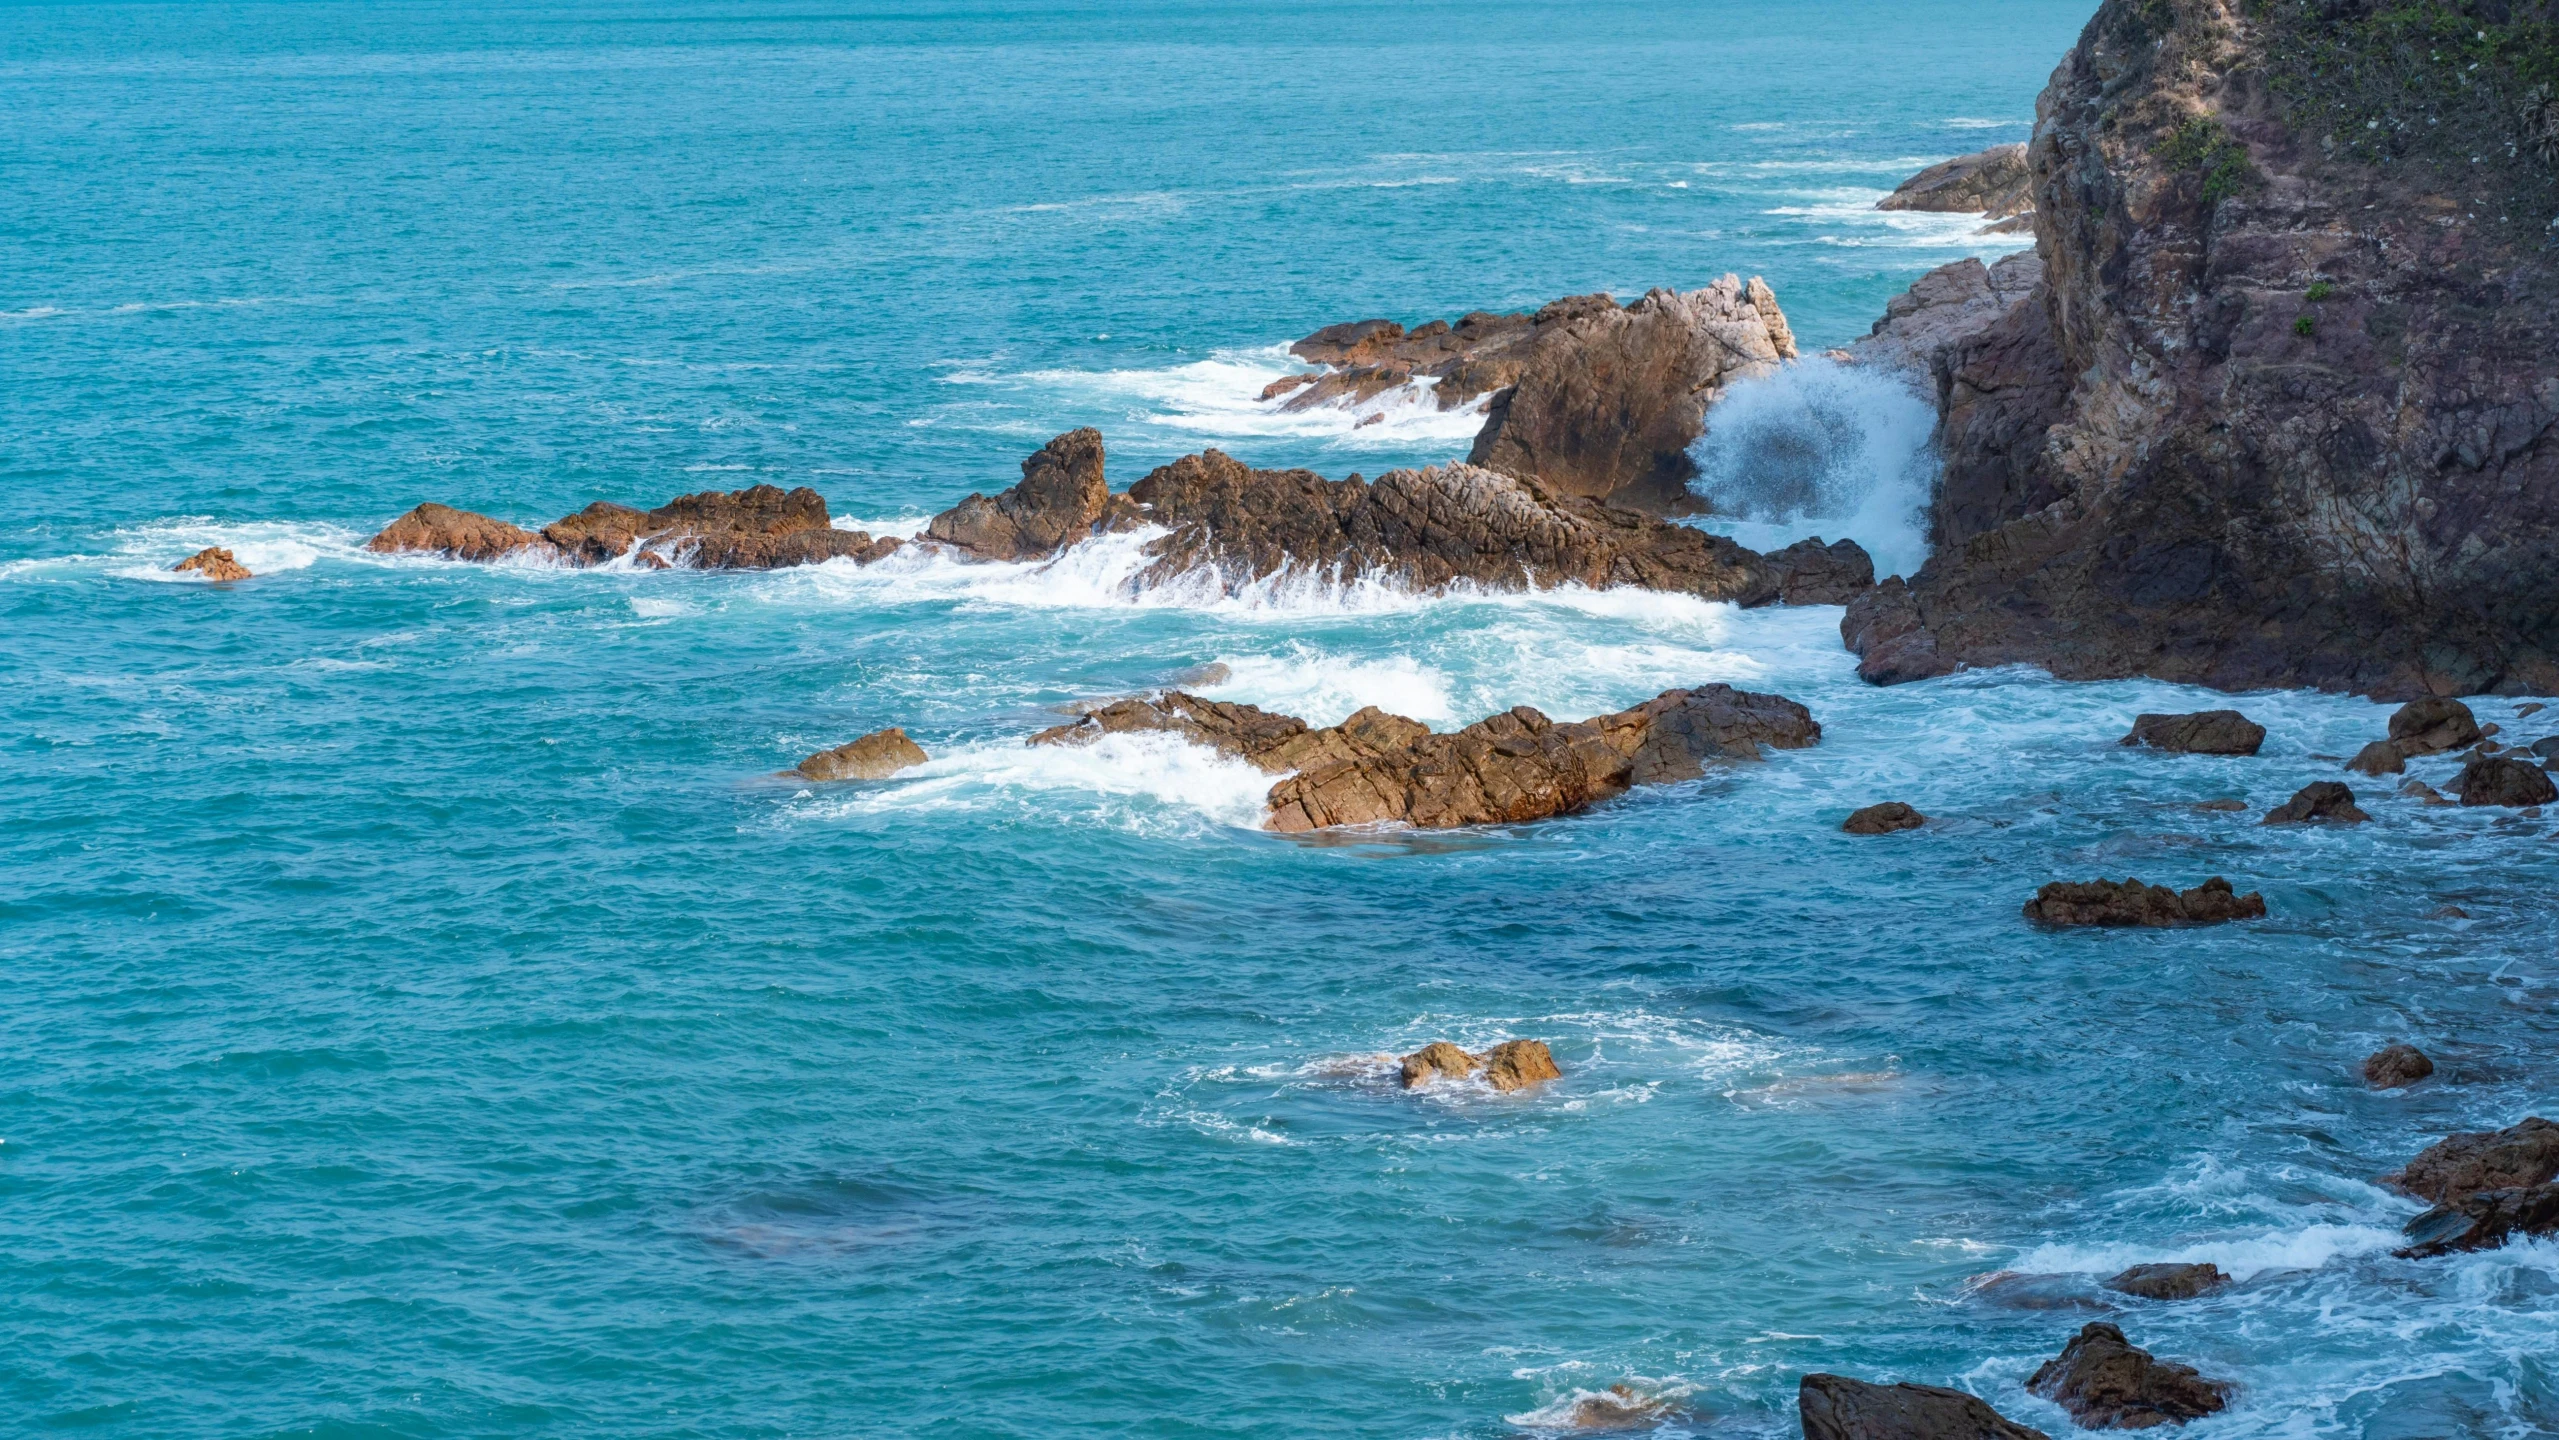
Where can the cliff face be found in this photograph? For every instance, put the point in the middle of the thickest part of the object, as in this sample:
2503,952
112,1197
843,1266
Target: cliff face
2284,415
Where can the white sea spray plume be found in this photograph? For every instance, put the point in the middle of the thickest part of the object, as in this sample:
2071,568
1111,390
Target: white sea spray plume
1817,447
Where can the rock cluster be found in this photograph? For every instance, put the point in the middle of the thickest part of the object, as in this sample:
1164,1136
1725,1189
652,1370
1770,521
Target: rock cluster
759,528
2108,1383
1511,1065
2168,1281
1883,819
2207,732
1063,498
213,563
2321,802
2104,902
1835,1407
2393,1067
875,756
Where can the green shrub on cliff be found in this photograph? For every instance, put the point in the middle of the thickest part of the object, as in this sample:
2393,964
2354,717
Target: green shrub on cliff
2214,156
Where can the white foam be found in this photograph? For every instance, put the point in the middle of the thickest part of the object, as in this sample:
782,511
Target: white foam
1145,782
146,552
1324,688
1821,447
2309,1248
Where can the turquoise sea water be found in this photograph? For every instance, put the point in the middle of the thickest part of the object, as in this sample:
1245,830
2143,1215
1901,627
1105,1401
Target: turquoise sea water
424,1016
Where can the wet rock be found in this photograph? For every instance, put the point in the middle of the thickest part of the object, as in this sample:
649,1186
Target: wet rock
1063,498
2014,1290
1948,307
1835,1407
2423,793
762,527
2226,803
1439,1059
1993,183
1619,1407
1277,744
1519,1064
2503,780
2208,732
1884,819
2432,726
2321,802
2483,1221
1215,672
2104,902
2394,1066
433,529
2168,1281
2546,747
2525,712
1811,573
875,756
1891,638
213,563
2108,1383
2378,758
2447,912
2462,1165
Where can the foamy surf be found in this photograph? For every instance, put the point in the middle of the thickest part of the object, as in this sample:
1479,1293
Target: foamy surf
1146,783
1821,448
146,552
1219,399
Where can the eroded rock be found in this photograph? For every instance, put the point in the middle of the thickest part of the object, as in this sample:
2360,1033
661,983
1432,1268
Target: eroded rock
2458,1166
1948,307
1835,1407
1812,573
2207,732
2503,780
762,527
1439,1059
2321,802
2483,1220
2168,1281
875,756
2104,902
1992,183
1519,1064
2108,1383
1884,819
2394,1066
433,529
1277,744
1063,498
213,563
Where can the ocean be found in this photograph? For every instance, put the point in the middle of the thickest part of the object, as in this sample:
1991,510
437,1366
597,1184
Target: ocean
428,1014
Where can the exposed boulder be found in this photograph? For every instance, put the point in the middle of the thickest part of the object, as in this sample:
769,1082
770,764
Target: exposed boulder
2394,1066
1992,183
875,756
2503,780
762,527
433,529
2321,802
1835,1407
2465,1164
1436,1060
2207,732
2168,1281
2432,726
1884,819
1063,498
213,563
2103,902
1811,573
2484,1220
1519,1064
2108,1383
2377,759
1945,308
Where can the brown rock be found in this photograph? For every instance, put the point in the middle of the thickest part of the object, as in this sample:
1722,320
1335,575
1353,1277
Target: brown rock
1519,1064
2526,711
1993,183
2503,780
2432,726
454,534
2103,902
762,527
1835,1407
2483,1221
1278,744
875,756
1811,573
1438,1058
2225,804
2108,1383
1884,819
1951,306
2208,732
2168,1282
2459,1166
2423,793
213,563
2321,802
2378,758
1619,1407
2394,1066
1063,498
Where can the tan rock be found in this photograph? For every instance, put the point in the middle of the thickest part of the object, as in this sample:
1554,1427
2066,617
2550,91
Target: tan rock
433,529
1519,1064
213,563
1439,1059
875,756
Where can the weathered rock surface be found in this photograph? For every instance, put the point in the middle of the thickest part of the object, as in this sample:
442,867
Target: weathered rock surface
1439,1059
1275,743
433,529
1945,309
2321,802
2503,780
2168,1281
2207,732
762,527
213,563
1835,1407
1811,573
2284,416
2432,726
1883,819
2108,1383
1519,1064
2393,1066
1063,498
875,756
2378,758
2483,1221
1992,183
2462,1165
2104,902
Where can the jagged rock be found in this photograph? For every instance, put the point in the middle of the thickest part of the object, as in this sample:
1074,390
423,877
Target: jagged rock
2168,1281
1992,183
2394,1066
1519,1064
1438,1058
433,529
2321,802
2503,780
2207,732
1945,308
2459,1166
2377,759
2483,1220
2432,726
875,756
213,563
1278,744
1835,1407
1812,573
1884,819
2103,902
2108,1383
1063,498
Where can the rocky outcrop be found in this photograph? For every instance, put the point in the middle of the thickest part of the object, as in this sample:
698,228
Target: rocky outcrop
433,529
2377,759
213,563
1883,819
762,527
875,756
1835,1407
1438,1060
2321,802
2168,1281
2432,726
2288,411
1992,183
2483,1221
2459,1166
1511,1065
2103,902
1278,744
2393,1067
2208,732
2108,1383
2503,780
1812,573
1063,498
1944,311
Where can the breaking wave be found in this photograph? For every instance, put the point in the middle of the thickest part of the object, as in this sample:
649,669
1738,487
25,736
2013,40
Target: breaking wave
1821,448
1220,398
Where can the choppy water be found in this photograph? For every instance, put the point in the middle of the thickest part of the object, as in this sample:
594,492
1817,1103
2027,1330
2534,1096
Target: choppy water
425,1017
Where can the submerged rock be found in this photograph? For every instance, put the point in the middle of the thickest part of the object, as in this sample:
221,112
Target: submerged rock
875,756
2017,1290
2394,1066
2321,802
2483,1221
2466,1164
2432,726
1619,1407
1884,819
1511,1065
2208,732
213,563
2378,758
2423,793
2104,902
2108,1383
1063,498
433,529
1278,744
2168,1281
1993,183
1835,1407
2225,804
2503,780
762,527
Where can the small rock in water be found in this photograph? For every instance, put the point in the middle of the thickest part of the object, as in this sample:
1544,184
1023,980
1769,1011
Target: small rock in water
1835,1407
2207,732
1436,1059
2014,1290
2169,1281
2498,780
2108,1383
2225,803
2459,1166
875,756
2524,711
2432,726
1518,1064
2447,912
2394,1066
2547,747
2321,802
1884,819
2378,758
2104,902
1619,1407
213,563
2423,793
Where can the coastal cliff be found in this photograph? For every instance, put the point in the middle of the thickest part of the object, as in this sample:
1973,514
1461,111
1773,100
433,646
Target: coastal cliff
2280,409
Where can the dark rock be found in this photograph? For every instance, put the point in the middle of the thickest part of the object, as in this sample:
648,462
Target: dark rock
213,563
1891,639
2447,912
2546,747
1620,1407
2224,804
1436,1060
2378,758
2483,1220
1519,1064
2459,1166
1993,183
1063,498
2108,1383
2502,780
2103,902
2321,802
1812,573
875,756
2169,1282
2013,1290
2393,1066
1835,1407
1884,819
2432,726
433,529
2423,793
2523,712
2208,732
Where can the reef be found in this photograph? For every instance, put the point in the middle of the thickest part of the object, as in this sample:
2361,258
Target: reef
762,527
